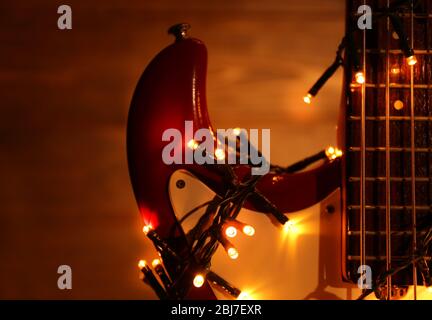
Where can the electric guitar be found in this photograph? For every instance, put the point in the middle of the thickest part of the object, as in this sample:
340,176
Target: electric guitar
355,224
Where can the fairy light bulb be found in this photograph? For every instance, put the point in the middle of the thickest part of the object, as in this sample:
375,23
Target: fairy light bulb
395,70
231,232
244,296
412,60
198,280
307,98
192,144
155,263
233,253
333,153
290,227
360,78
147,228
237,131
249,230
220,154
142,264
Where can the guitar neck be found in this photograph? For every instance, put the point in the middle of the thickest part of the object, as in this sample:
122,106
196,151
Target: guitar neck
388,143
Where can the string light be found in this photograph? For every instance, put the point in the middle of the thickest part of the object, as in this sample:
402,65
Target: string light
333,153
156,262
231,231
412,60
307,98
244,296
233,253
290,227
198,280
192,144
237,131
249,230
395,70
150,279
220,154
233,225
360,77
142,264
147,229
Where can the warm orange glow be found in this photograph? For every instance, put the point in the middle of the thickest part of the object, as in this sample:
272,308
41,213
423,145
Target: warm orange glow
220,154
249,230
290,227
233,253
231,232
333,153
395,70
412,60
237,131
244,295
147,228
198,281
155,263
307,98
398,105
360,77
192,144
142,264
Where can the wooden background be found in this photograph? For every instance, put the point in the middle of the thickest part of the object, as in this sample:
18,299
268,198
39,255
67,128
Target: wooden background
65,196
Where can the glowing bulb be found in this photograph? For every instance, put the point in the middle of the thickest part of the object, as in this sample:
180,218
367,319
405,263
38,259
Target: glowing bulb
412,60
147,228
290,227
307,98
237,131
395,70
155,263
360,78
233,253
244,296
142,264
231,232
192,144
220,154
249,230
429,289
333,153
198,281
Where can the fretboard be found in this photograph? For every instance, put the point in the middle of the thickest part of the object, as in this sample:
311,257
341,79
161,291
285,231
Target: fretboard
388,146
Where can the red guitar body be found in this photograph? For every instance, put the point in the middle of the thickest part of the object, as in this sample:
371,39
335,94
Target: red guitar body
170,92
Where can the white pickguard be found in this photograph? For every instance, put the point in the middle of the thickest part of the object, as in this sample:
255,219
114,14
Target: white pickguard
302,263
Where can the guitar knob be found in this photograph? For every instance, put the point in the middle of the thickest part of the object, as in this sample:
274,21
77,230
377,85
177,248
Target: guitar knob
179,30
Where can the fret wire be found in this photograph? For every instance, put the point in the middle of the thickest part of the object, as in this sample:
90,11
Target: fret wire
384,233
394,207
387,158
392,86
392,118
396,51
378,13
413,179
393,149
396,179
381,258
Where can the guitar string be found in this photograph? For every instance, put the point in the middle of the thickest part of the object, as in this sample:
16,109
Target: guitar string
413,160
387,157
363,157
